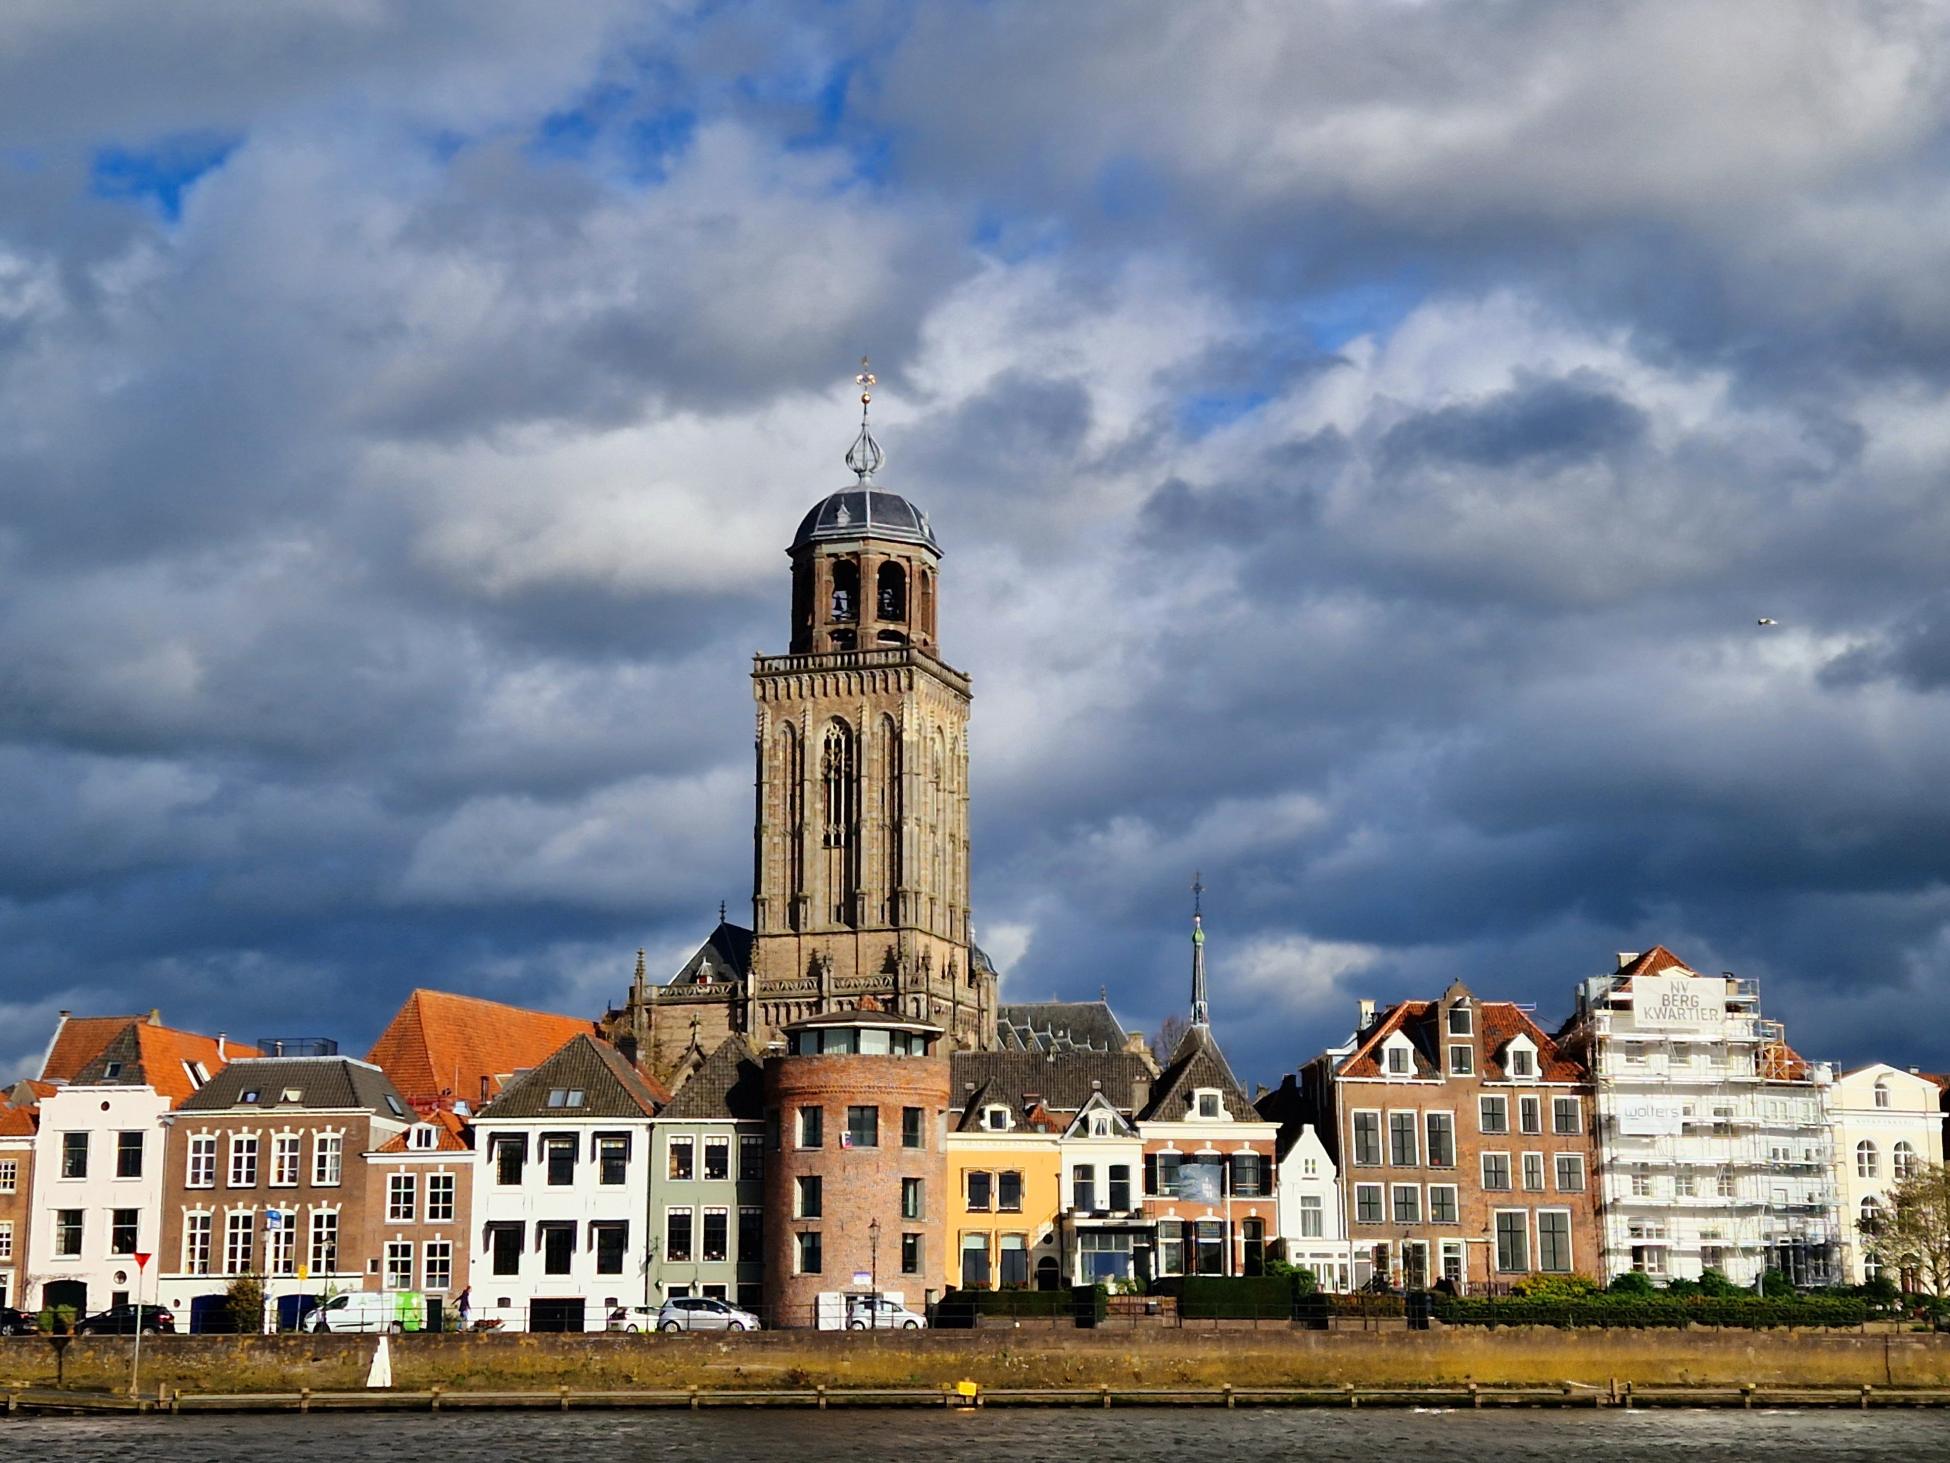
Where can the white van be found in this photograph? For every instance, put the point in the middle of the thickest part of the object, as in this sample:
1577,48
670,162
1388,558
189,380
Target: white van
368,1310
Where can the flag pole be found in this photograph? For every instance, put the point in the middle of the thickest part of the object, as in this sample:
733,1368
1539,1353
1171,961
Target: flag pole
135,1367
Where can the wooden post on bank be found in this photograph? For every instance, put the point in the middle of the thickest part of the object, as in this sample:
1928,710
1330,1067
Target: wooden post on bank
1866,1389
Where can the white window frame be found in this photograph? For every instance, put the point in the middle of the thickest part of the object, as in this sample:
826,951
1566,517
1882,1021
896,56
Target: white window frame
1354,1138
396,1272
1414,1136
327,1159
239,1258
1577,1116
1558,1160
443,1189
286,1157
324,1221
402,1197
442,1251
244,1153
1428,1148
1454,1191
1380,1193
1484,1103
1570,1242
1525,1165
199,1225
200,1162
1496,1243
1530,1115
1395,1195
1483,1171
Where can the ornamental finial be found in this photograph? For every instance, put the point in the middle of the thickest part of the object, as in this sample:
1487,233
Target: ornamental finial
865,456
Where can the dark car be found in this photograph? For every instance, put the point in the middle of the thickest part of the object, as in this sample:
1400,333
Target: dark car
120,1321
16,1323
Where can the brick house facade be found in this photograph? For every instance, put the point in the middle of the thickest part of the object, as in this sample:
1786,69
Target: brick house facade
420,1190
283,1137
1465,1141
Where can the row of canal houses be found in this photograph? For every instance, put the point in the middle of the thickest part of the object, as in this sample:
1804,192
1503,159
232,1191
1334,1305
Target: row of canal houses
519,1159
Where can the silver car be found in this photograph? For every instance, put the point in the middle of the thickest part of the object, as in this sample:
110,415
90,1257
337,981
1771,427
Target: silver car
878,1313
703,1313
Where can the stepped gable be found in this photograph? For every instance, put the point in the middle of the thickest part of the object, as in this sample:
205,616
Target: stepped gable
610,1086
729,1086
442,1047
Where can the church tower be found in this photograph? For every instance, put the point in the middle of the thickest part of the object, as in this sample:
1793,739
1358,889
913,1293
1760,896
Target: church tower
860,858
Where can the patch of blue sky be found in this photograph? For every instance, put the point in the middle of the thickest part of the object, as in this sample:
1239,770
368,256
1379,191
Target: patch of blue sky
162,173
1335,317
1207,411
1015,237
1128,189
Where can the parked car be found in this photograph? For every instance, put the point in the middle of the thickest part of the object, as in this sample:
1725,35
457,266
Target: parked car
370,1310
633,1318
703,1313
17,1323
121,1321
881,1313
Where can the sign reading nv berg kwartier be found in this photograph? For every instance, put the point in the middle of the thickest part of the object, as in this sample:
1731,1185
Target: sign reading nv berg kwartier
1695,1004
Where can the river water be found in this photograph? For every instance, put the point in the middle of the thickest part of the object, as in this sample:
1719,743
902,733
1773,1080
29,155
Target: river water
1149,1435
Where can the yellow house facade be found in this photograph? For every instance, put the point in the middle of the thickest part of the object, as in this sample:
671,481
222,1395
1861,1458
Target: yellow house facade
1003,1197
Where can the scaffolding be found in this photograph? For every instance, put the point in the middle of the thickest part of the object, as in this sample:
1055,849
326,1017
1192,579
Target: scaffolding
1715,1148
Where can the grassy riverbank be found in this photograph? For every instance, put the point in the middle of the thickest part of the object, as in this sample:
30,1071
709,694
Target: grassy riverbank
1010,1359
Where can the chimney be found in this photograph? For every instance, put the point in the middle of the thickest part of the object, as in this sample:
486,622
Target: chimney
220,1036
1367,1015
1626,957
155,1015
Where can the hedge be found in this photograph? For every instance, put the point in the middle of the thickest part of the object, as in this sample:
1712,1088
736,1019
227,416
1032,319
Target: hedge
960,1307
1229,1297
1650,1311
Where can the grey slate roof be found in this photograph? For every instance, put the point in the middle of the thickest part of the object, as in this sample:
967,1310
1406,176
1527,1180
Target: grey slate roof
609,1085
730,1085
1197,1063
321,1083
863,512
1061,1081
1044,1026
725,955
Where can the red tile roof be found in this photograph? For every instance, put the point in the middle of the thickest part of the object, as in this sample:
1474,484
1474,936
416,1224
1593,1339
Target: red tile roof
1497,1024
1653,961
448,1139
78,1040
145,1051
440,1047
17,1122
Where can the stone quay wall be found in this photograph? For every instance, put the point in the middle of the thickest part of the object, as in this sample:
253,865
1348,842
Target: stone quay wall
1002,1358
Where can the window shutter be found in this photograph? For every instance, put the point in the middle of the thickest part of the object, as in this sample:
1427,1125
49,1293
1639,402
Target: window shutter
1150,1173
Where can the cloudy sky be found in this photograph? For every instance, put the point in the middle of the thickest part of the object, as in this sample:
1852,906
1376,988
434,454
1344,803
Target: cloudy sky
1364,436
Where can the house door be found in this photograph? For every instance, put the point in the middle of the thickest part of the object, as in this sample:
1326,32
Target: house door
1047,1277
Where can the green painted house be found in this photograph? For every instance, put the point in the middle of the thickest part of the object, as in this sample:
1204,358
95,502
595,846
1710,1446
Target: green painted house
707,1183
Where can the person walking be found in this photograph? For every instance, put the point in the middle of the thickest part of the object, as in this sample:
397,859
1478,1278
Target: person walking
466,1308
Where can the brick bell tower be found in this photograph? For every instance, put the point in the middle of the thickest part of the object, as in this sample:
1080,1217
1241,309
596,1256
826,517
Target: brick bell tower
860,851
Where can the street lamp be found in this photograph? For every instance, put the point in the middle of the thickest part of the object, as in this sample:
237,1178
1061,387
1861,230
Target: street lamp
873,1253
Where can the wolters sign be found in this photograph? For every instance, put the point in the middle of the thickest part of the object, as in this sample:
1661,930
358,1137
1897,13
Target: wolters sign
1693,1004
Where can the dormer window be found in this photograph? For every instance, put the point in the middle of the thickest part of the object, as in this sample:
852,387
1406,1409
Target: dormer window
996,1118
1100,1126
197,1073
292,1094
424,1136
393,1106
1520,1060
1398,1056
1206,1104
1459,1021
565,1097
1462,1059
251,1094
113,1070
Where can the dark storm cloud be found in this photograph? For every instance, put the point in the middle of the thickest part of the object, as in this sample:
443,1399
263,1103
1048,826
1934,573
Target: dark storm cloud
1363,438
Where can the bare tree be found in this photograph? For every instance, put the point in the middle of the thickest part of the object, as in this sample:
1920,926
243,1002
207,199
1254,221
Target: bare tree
1911,1231
1171,1031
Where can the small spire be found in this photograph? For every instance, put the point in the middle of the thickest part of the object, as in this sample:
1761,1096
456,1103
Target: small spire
865,456
720,911
1201,1013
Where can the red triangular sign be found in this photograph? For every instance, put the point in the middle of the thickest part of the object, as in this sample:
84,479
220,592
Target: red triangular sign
142,1259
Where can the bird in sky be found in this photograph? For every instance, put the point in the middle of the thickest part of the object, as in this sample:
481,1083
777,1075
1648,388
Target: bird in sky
1765,622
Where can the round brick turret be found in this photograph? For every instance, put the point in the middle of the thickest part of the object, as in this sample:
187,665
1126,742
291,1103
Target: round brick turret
879,1084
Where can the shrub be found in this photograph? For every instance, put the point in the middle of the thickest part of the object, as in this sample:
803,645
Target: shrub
244,1300
1881,1291
1775,1285
1632,1282
1714,1283
1681,1288
1555,1287
1231,1297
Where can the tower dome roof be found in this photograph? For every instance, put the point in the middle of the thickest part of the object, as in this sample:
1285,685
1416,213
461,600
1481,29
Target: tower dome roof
864,512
